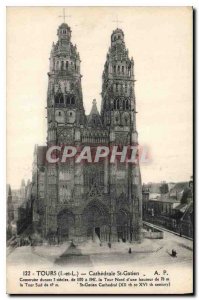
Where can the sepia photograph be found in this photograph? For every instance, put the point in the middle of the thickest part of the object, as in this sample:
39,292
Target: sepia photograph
99,113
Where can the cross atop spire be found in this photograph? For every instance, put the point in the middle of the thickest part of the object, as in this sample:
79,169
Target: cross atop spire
64,16
117,21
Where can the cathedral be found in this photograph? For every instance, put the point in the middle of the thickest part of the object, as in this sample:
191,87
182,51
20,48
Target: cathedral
100,200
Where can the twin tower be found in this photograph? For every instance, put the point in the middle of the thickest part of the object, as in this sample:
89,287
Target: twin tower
99,201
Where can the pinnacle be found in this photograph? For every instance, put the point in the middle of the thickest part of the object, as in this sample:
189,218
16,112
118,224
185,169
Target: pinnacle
94,110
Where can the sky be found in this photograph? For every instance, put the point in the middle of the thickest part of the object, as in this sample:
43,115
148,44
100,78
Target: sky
160,41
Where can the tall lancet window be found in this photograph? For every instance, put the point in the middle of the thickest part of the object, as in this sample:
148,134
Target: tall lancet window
59,98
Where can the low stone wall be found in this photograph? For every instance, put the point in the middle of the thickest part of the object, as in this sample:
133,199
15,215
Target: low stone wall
152,233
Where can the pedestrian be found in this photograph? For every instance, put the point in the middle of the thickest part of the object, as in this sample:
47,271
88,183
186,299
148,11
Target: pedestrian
174,253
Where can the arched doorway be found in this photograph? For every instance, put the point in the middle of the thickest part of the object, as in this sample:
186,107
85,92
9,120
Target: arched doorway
65,225
123,225
96,221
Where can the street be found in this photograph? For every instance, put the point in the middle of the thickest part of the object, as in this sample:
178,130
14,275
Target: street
149,252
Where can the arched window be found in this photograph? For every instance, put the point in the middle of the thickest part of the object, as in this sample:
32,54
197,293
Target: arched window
72,100
114,103
127,104
57,65
114,69
123,105
117,119
125,119
62,65
68,100
118,36
129,70
118,104
118,69
59,98
66,65
125,87
122,69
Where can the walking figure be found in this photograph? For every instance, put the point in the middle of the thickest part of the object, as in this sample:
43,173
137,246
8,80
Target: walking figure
174,253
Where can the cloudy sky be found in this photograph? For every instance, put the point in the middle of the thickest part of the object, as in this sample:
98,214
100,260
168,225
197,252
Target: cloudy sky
160,41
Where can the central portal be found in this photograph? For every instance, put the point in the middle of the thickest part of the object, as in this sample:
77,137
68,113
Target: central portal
65,225
95,221
97,231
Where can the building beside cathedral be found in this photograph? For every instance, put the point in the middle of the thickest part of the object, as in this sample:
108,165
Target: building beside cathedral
83,201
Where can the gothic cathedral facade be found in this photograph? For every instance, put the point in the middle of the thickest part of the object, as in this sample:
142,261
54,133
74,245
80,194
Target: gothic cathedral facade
91,200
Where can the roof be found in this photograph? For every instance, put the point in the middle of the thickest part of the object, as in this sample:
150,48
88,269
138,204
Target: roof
94,119
179,187
178,190
154,196
154,188
118,30
64,26
163,198
181,207
184,211
94,110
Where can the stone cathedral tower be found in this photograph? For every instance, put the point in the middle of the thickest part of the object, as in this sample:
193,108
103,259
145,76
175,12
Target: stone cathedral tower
119,116
91,201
